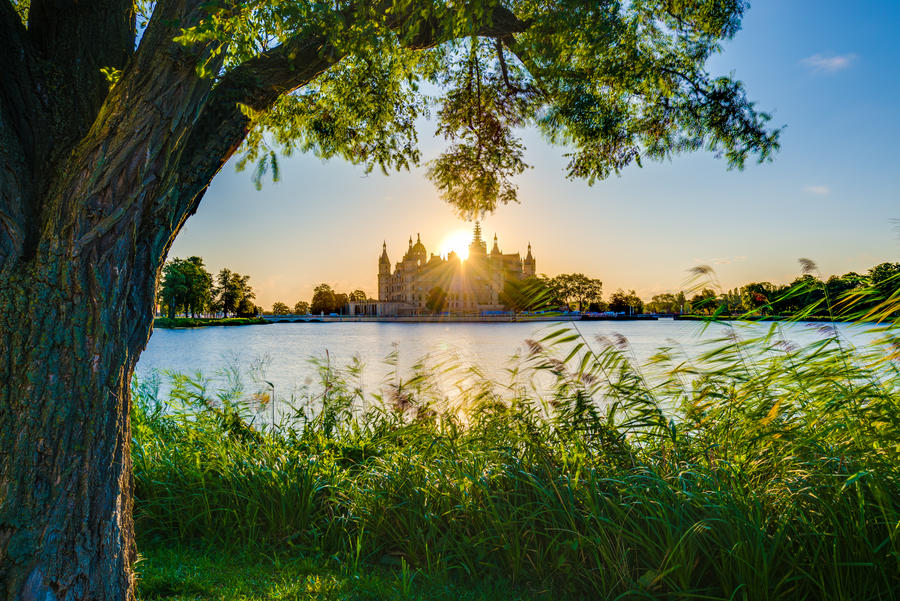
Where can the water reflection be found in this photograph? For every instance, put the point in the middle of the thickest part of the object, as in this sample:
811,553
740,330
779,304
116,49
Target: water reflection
290,357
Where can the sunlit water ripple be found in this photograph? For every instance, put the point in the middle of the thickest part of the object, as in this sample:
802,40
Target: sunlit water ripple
280,353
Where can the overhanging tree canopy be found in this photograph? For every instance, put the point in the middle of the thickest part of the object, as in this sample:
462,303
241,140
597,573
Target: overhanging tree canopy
115,117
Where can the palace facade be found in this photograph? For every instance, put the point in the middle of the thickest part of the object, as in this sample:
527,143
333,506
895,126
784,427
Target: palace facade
470,286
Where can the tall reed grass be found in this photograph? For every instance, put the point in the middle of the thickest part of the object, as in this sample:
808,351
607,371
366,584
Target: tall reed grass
755,471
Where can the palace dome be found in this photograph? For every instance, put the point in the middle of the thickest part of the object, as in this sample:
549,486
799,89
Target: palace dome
418,250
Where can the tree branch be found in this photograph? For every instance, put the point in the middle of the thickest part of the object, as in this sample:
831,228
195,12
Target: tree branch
297,61
78,38
258,83
12,31
19,108
498,43
17,57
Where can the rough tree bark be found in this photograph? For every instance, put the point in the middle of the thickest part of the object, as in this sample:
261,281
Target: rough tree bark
87,219
95,182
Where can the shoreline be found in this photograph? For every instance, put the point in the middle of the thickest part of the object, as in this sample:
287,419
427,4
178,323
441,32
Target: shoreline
767,318
181,323
186,323
559,317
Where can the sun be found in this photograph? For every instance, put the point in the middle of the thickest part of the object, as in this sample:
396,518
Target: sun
458,242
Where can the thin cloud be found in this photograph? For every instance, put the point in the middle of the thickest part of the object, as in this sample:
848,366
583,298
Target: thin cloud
829,63
817,190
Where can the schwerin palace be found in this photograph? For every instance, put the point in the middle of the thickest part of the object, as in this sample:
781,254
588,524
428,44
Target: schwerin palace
470,286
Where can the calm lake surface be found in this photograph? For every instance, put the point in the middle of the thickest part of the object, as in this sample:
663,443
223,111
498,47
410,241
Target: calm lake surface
281,353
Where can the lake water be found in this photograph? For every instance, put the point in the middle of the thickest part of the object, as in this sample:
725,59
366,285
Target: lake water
281,353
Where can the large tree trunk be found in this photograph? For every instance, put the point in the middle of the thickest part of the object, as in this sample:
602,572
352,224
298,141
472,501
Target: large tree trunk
82,240
75,313
68,340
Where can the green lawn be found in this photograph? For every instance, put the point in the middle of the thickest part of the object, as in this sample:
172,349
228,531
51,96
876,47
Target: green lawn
179,573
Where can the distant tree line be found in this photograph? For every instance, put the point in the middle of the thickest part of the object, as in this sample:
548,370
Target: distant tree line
574,291
807,294
186,287
567,292
669,303
324,301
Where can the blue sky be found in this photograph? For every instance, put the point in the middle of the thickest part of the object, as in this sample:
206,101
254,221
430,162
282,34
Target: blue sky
827,71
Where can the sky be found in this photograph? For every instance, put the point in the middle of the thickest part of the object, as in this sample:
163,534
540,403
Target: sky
828,71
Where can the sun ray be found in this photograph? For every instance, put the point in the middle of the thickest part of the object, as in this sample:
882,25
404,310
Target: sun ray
457,241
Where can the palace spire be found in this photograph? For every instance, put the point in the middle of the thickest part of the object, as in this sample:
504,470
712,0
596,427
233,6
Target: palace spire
477,247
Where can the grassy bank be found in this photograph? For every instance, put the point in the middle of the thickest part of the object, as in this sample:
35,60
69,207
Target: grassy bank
190,573
201,322
759,471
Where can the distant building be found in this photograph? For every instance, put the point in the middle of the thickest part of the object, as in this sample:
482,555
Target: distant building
470,286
